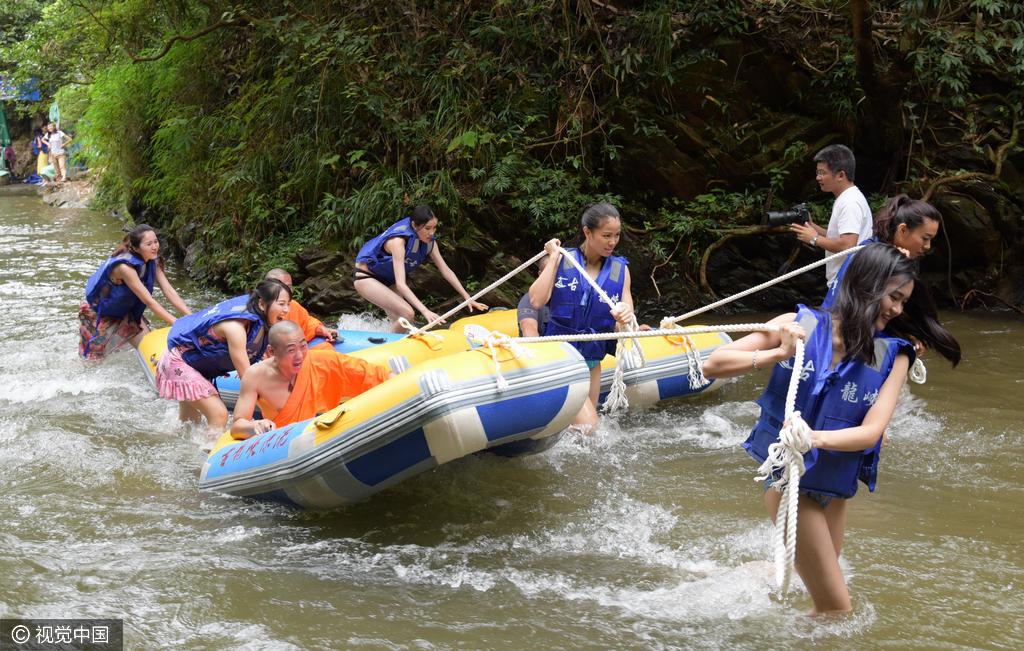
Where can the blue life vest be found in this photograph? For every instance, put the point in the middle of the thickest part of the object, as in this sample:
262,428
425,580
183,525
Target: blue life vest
378,260
109,299
827,400
210,356
577,309
833,289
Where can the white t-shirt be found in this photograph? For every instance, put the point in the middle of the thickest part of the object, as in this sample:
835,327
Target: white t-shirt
850,214
56,142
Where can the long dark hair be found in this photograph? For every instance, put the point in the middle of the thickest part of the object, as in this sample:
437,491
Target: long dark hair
133,240
269,290
858,304
901,209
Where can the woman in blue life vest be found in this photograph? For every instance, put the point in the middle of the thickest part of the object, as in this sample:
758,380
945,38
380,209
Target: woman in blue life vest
119,292
384,263
231,335
574,305
908,224
856,363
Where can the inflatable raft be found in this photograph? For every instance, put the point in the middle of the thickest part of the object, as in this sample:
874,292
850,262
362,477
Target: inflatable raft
665,373
434,412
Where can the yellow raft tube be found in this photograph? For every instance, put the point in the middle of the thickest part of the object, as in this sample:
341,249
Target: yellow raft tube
665,373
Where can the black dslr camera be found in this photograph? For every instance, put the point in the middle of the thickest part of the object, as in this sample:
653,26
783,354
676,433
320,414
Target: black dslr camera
798,214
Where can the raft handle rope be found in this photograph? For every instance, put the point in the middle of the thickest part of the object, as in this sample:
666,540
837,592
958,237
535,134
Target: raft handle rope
413,330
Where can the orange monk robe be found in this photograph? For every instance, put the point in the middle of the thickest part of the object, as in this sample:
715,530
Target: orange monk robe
309,324
327,377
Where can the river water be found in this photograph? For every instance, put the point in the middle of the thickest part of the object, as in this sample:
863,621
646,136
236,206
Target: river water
650,535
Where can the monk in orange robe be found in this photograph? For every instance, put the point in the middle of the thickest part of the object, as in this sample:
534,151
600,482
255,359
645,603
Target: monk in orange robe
296,383
311,326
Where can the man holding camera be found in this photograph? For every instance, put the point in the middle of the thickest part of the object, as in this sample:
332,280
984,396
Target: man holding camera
851,220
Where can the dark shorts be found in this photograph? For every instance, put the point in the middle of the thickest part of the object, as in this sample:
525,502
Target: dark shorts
822,499
525,311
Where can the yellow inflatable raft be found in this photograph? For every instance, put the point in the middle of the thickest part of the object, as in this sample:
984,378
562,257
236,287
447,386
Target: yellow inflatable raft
434,412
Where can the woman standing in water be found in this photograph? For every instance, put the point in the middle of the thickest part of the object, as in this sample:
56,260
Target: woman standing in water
383,264
119,292
853,373
574,305
231,335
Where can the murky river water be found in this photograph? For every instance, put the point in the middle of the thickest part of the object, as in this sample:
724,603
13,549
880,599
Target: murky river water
651,535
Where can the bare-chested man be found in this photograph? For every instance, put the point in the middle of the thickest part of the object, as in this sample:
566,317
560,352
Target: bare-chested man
296,383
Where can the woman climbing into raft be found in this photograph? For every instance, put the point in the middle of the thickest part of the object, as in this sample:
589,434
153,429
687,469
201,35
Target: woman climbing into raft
856,362
383,264
574,305
119,292
229,335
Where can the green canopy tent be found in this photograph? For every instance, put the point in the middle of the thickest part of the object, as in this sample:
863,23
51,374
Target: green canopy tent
5,139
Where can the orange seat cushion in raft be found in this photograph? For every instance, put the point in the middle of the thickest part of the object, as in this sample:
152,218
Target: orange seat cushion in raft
326,378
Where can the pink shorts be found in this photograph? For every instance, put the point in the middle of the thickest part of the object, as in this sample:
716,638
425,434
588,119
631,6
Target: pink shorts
176,380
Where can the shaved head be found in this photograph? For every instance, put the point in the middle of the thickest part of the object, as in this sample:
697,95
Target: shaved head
283,333
279,274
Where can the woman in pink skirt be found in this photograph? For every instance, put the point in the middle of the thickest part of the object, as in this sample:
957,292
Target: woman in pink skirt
230,335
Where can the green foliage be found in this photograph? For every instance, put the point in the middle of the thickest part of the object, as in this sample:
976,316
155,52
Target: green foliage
260,127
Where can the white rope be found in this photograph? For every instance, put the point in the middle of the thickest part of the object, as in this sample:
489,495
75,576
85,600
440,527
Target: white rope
493,342
480,293
664,332
616,398
918,373
764,285
788,455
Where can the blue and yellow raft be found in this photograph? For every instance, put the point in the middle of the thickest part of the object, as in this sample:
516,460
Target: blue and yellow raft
432,413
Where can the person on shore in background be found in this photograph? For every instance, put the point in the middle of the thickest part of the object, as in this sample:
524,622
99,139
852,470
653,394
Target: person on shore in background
230,335
118,293
383,264
908,224
851,216
575,306
853,372
57,140
311,326
11,159
41,150
295,383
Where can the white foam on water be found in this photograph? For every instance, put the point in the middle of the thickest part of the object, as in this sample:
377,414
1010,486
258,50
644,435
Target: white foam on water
363,321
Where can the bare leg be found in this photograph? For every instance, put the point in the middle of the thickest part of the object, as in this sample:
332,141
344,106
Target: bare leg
816,560
212,407
835,515
587,418
386,299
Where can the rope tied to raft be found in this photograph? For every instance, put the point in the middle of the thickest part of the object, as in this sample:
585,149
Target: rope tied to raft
493,342
764,285
416,331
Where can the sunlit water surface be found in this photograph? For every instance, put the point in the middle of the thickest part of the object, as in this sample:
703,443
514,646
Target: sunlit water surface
650,535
